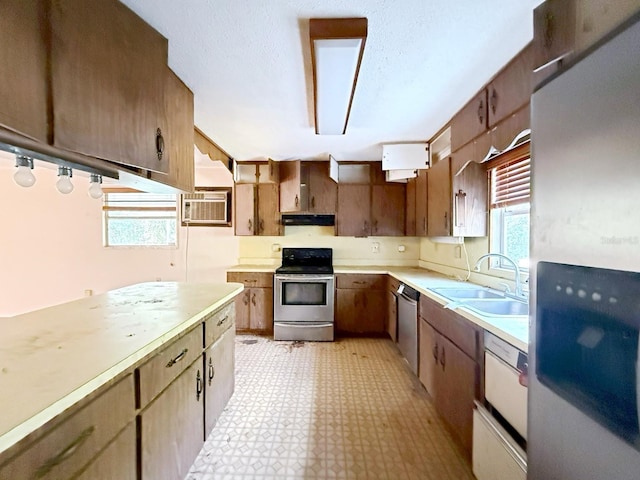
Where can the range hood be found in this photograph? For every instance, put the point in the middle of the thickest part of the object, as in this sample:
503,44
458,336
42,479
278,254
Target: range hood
321,220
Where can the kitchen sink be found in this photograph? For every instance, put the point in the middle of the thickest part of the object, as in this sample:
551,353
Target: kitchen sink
502,308
466,293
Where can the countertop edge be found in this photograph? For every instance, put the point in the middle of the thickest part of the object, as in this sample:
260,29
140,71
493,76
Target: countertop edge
21,431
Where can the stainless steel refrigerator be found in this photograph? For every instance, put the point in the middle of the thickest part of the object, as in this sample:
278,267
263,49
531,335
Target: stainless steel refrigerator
583,420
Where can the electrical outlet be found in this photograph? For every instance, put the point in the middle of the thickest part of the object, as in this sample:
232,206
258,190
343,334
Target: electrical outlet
375,247
457,251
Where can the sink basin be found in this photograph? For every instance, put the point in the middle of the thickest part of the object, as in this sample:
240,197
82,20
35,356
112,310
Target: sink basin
504,307
465,293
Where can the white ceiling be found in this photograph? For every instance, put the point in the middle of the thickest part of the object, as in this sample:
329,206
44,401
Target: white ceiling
248,64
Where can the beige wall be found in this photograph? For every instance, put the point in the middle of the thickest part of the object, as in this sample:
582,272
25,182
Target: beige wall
51,244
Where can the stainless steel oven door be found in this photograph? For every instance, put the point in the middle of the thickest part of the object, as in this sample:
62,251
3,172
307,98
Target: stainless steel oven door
303,298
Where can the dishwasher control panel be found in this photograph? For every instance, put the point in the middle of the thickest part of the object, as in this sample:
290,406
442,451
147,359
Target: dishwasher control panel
506,352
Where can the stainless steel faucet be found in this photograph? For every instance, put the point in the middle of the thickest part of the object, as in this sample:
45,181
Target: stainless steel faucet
518,292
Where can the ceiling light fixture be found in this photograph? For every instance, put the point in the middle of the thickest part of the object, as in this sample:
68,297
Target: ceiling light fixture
337,45
95,190
64,184
24,176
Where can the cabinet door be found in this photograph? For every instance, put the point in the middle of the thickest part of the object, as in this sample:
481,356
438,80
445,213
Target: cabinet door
439,199
118,460
553,31
179,135
469,122
268,210
457,390
323,192
108,73
512,88
290,181
354,210
387,209
261,317
242,310
505,132
360,311
392,316
23,76
421,203
470,195
410,208
245,200
171,428
219,368
428,361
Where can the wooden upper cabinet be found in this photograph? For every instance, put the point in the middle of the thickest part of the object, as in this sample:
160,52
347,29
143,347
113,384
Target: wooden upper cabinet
421,203
257,209
387,209
245,211
23,76
511,89
354,210
469,122
290,186
410,208
179,135
323,191
439,199
504,133
268,221
469,191
108,77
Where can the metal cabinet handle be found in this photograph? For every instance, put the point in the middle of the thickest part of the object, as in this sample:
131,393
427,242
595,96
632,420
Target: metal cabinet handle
481,112
443,359
245,300
297,201
159,144
220,322
253,299
549,28
375,226
250,225
365,228
262,225
424,226
313,202
460,208
212,372
359,282
446,221
65,453
494,101
198,386
177,358
435,352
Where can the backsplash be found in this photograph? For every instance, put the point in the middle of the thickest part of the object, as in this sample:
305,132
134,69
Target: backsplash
346,250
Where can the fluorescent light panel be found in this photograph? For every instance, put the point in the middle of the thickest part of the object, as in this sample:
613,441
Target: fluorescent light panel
336,47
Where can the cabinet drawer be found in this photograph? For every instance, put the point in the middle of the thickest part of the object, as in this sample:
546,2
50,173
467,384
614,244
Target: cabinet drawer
158,372
456,328
252,279
392,284
118,460
72,444
374,282
218,323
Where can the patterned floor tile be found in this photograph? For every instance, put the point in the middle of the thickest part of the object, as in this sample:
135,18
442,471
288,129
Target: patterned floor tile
349,409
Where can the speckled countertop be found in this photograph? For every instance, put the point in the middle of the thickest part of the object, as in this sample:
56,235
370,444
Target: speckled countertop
514,330
52,358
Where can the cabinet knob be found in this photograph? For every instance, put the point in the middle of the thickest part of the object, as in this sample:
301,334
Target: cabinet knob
159,144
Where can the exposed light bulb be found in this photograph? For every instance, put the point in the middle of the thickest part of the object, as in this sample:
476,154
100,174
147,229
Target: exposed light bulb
64,184
24,177
95,190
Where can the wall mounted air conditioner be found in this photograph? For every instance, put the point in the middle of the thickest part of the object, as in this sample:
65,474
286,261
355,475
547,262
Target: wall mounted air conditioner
207,208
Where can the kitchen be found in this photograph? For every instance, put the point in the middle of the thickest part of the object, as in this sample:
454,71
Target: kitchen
171,264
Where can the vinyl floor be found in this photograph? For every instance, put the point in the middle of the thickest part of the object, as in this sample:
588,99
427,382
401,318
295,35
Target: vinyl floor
349,409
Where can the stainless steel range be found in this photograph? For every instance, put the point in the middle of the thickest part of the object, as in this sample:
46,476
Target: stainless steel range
303,295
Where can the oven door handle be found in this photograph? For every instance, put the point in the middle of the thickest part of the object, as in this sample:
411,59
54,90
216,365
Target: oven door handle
304,277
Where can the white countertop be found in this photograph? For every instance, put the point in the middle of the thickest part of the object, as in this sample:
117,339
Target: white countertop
514,330
54,357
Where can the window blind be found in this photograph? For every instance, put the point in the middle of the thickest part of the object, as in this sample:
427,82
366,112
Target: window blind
510,183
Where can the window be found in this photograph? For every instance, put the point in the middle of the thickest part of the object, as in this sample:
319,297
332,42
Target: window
139,219
510,194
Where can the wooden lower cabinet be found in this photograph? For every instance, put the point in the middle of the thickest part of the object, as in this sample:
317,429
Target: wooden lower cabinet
118,460
449,368
171,427
361,304
219,384
254,306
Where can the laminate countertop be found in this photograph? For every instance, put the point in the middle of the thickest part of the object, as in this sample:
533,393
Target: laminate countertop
54,357
512,329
